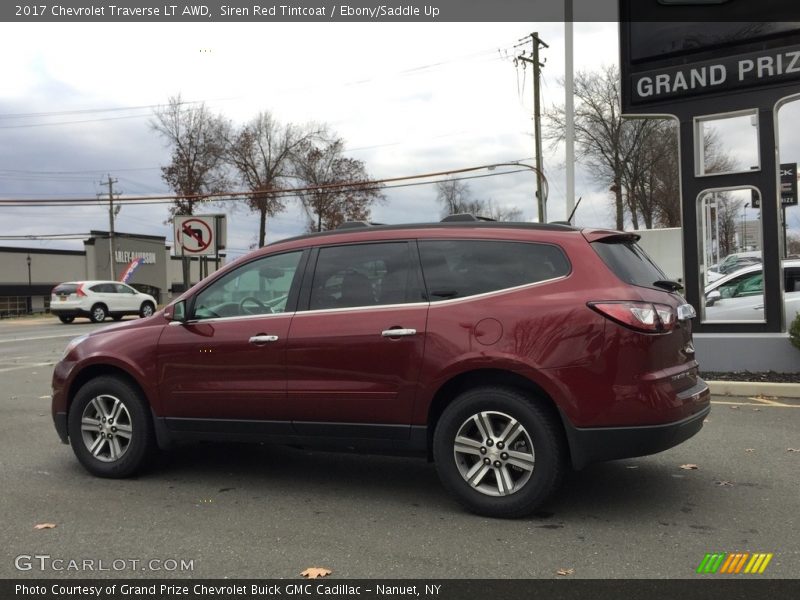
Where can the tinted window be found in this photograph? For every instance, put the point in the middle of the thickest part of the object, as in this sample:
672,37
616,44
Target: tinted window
65,289
364,275
103,288
458,268
629,262
791,277
258,287
736,286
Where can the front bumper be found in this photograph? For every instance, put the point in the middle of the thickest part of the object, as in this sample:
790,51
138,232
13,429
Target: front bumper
597,444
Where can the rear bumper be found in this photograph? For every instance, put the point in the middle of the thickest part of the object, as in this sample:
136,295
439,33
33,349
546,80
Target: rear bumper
597,444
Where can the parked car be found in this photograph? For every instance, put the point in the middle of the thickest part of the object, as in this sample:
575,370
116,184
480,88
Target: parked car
97,300
732,263
740,295
503,352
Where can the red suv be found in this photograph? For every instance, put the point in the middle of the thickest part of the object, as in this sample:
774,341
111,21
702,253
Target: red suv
503,352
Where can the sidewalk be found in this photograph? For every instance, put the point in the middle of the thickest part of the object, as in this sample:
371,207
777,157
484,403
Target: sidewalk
751,389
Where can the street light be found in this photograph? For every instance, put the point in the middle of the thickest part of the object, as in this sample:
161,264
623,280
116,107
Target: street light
30,299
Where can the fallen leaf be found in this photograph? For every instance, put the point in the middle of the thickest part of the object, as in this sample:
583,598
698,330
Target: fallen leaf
689,467
734,407
314,572
749,449
756,410
706,421
45,526
565,572
793,449
723,483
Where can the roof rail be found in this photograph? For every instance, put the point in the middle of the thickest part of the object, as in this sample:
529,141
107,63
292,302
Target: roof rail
464,217
353,224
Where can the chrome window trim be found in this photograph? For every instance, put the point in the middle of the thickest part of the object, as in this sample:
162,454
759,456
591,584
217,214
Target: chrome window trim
233,318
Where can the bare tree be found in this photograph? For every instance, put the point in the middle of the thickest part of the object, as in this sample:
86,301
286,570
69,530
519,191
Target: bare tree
604,140
196,138
264,153
343,191
196,170
637,159
728,211
456,197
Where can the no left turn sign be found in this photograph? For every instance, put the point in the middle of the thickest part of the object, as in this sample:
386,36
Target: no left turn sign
195,235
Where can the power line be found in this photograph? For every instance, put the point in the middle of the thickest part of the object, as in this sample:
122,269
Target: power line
246,194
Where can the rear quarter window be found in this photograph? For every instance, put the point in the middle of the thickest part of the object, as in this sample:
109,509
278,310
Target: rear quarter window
460,268
629,262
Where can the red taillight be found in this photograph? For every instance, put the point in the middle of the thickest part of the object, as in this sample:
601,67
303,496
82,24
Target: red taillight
641,316
79,291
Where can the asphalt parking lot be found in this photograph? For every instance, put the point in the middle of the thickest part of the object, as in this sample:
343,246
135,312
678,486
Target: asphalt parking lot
262,512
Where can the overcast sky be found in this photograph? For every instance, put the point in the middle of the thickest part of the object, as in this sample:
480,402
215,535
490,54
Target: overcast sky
407,98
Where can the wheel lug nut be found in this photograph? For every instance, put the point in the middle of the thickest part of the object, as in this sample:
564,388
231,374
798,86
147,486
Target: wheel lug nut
487,461
110,421
114,429
498,464
500,445
504,456
483,450
489,442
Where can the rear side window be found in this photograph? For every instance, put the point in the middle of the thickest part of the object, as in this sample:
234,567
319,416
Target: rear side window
365,275
629,262
65,289
459,268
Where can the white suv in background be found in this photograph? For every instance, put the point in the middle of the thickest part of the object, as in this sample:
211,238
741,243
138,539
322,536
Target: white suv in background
98,300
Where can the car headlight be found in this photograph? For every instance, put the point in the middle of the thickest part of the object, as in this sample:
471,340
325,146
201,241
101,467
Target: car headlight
72,344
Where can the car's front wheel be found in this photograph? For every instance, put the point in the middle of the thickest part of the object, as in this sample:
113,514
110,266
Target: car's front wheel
110,428
147,310
498,452
98,313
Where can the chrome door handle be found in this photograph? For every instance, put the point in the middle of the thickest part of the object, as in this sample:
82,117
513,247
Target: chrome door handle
398,332
263,339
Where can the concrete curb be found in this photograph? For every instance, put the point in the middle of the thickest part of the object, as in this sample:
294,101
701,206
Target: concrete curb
754,388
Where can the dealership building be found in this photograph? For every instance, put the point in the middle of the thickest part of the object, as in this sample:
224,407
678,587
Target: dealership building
27,275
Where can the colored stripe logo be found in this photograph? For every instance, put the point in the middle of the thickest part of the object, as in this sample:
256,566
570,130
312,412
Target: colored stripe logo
733,563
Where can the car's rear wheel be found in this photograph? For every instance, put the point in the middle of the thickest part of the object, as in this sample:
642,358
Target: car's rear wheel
65,319
110,428
98,313
498,452
147,310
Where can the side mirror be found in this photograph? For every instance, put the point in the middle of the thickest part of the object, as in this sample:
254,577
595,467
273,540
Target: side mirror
176,312
712,297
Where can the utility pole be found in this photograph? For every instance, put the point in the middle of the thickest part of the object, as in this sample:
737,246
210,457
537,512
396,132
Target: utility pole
537,125
111,214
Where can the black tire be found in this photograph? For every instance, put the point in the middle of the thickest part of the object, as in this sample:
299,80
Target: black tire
117,317
147,310
65,319
518,491
133,447
98,313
